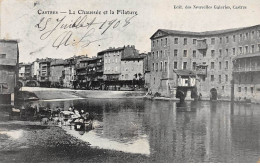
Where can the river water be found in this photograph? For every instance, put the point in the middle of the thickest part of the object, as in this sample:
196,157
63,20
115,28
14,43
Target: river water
168,131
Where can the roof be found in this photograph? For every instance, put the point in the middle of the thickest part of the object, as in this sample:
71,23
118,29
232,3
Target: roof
111,50
58,62
184,72
8,40
202,34
91,59
132,58
257,54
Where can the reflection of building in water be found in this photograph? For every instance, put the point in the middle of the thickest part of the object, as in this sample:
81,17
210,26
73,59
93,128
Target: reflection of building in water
245,132
181,135
9,60
124,123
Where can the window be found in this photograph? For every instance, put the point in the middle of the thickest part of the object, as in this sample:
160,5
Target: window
185,41
153,55
204,53
161,54
212,65
226,78
220,40
234,38
165,66
220,52
194,65
175,40
219,64
240,50
252,34
161,42
245,89
227,52
153,43
161,66
157,54
194,53
252,89
219,78
223,88
234,51
157,66
239,89
246,49
252,48
175,65
175,52
154,80
194,41
212,40
184,53
227,39
240,37
246,37
226,65
2,56
157,42
184,66
153,66
212,52
166,41
212,78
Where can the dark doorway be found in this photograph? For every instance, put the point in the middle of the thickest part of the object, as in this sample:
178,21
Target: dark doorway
213,94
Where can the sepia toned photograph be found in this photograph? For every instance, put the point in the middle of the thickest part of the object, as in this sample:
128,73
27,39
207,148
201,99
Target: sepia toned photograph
120,81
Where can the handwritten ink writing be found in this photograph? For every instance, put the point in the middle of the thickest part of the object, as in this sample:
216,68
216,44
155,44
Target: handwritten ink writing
66,31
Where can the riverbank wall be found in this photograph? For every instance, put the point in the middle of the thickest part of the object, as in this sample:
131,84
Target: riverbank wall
55,93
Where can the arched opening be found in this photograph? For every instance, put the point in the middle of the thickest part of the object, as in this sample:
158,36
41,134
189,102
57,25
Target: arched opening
181,95
213,94
19,84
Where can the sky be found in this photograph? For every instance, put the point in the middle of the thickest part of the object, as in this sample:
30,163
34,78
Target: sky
20,17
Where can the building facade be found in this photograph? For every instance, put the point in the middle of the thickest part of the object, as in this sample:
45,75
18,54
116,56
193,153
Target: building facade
9,69
209,53
56,72
69,73
35,69
246,75
112,60
25,71
44,72
132,68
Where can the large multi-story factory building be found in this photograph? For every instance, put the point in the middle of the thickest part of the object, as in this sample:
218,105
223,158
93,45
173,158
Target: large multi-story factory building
209,54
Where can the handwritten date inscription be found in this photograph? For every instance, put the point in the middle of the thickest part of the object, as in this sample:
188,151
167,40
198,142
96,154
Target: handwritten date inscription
81,31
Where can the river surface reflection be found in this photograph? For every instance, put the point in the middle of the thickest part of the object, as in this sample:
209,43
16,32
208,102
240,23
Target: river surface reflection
168,131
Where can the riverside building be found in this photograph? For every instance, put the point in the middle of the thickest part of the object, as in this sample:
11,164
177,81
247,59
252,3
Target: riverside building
209,54
9,70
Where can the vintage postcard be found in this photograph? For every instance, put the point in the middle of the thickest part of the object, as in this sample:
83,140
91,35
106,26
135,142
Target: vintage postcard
120,81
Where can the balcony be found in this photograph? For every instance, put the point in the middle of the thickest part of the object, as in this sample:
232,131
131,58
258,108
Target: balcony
247,69
201,70
202,44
